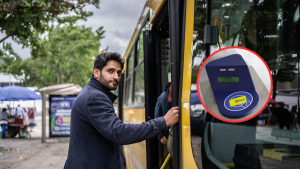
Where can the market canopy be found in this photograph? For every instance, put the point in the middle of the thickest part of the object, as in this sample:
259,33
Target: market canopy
17,93
62,89
272,101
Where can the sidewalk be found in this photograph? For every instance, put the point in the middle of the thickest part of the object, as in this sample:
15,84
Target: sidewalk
32,154
37,130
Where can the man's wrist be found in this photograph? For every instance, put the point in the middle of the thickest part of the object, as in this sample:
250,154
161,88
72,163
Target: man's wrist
166,122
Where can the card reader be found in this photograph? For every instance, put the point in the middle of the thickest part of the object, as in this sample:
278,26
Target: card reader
232,86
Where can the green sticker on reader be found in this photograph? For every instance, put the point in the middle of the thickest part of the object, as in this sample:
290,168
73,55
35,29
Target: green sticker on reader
228,79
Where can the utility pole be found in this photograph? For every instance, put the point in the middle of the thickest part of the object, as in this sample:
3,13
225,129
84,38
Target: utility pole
43,116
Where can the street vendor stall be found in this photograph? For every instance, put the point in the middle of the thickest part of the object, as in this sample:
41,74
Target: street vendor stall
17,125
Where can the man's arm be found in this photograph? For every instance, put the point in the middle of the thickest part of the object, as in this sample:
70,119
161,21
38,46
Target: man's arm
158,112
164,140
23,113
101,114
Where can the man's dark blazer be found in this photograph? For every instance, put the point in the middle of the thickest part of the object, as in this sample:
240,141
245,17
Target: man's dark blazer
97,133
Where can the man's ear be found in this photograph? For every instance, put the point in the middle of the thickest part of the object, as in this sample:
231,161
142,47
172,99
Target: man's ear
96,73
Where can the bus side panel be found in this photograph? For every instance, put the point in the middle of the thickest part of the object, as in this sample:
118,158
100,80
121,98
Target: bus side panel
135,154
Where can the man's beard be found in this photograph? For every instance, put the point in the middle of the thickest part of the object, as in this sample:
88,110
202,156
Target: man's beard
105,83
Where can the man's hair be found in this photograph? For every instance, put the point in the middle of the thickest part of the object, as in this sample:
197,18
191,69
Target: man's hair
102,59
4,109
281,104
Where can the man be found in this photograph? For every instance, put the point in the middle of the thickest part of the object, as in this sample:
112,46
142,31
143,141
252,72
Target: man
283,116
4,121
31,117
294,120
96,132
19,112
163,105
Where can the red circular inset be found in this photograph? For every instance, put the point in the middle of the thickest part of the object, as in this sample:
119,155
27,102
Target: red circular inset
234,121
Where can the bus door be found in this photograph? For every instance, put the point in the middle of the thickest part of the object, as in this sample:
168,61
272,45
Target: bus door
157,76
161,48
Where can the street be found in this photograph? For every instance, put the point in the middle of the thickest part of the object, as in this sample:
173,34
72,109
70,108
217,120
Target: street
18,153
32,154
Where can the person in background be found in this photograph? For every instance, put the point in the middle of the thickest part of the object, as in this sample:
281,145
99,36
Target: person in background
294,120
298,116
19,112
283,116
4,121
8,109
163,105
31,116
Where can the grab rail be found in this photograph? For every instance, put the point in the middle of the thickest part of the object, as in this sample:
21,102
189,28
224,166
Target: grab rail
166,161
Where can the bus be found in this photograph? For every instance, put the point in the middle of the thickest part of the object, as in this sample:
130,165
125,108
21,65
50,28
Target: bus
171,40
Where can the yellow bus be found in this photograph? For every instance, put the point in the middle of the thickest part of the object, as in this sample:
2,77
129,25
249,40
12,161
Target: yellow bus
171,40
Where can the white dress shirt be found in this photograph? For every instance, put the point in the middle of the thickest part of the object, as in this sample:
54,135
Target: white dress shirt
19,111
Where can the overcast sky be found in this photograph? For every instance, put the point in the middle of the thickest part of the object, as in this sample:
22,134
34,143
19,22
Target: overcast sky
118,17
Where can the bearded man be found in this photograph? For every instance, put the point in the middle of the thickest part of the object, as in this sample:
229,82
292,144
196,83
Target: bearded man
96,131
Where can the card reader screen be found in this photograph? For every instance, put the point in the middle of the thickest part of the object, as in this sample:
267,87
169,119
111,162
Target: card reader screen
228,79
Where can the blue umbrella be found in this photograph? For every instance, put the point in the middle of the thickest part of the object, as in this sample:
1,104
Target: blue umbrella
195,99
2,97
16,93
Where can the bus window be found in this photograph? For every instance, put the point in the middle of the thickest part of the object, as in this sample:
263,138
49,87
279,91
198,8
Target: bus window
128,92
164,66
197,109
164,52
140,45
129,77
271,29
130,63
139,92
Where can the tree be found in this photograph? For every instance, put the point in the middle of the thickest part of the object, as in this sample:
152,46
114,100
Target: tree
68,58
198,41
22,19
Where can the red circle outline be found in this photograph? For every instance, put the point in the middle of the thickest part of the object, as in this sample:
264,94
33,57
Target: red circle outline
233,121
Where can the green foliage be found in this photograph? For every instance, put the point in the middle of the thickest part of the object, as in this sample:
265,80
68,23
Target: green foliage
67,57
22,19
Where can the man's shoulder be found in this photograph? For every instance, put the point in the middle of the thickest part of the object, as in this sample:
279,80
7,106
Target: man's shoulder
164,94
90,91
